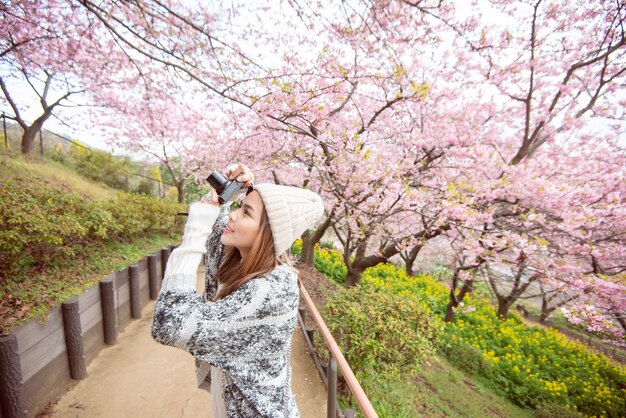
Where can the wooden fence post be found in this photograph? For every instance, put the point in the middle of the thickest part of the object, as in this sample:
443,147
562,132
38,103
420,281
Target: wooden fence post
74,339
331,412
153,280
165,255
11,391
109,322
135,297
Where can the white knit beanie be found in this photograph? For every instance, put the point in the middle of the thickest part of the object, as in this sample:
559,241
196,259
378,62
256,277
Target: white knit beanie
290,211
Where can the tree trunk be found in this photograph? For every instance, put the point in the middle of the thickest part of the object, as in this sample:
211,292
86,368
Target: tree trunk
546,308
545,311
467,287
310,239
180,187
504,304
449,312
28,139
353,278
308,249
410,259
361,261
544,315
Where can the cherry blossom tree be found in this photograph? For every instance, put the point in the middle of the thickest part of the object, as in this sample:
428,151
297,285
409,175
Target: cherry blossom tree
51,48
497,127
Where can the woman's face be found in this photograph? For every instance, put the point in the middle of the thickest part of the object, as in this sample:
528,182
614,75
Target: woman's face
244,224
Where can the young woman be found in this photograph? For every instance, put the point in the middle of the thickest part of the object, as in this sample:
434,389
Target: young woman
240,330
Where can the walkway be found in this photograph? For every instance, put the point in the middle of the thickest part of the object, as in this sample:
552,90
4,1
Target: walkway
138,377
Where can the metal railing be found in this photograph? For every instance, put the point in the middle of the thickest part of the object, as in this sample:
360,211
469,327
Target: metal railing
336,358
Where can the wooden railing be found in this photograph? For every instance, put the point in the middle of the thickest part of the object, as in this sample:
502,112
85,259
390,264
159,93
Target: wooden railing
336,358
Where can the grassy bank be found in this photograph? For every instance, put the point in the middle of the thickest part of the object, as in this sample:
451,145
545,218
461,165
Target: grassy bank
61,233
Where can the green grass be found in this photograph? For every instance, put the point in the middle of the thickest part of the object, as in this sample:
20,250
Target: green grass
54,175
435,389
455,393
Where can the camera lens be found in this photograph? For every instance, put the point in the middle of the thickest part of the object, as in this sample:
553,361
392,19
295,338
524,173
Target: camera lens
217,181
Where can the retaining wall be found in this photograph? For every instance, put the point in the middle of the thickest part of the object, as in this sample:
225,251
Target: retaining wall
40,360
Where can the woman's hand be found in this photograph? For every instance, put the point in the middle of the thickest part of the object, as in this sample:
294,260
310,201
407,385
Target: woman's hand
241,173
210,198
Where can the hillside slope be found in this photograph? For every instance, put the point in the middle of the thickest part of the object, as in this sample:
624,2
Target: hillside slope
61,233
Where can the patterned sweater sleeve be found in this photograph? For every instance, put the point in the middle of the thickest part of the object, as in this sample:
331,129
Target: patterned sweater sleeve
227,328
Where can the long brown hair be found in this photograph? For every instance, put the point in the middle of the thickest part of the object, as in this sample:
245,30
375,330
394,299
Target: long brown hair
233,272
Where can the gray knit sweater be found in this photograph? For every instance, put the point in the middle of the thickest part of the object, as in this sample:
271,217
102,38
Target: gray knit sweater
247,334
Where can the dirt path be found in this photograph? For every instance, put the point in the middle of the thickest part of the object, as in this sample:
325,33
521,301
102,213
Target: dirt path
139,378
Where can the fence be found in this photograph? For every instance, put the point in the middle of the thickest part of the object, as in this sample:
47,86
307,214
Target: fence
39,360
328,371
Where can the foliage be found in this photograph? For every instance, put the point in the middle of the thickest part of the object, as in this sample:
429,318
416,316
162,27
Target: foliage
533,367
57,238
145,187
42,226
392,278
327,244
195,190
100,166
34,294
380,330
554,410
330,262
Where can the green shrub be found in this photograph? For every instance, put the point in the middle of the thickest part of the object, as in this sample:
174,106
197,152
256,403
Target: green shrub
145,187
296,248
40,226
328,245
330,263
101,166
387,276
35,227
380,330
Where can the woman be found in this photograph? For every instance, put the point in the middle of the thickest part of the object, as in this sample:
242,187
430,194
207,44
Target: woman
240,330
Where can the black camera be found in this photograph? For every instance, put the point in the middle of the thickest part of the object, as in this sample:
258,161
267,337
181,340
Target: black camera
225,188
